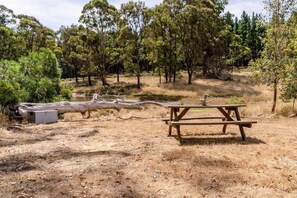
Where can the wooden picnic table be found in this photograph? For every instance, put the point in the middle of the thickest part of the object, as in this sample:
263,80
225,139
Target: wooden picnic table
177,113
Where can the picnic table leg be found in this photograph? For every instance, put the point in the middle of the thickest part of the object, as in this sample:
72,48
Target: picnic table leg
240,126
225,125
171,118
178,134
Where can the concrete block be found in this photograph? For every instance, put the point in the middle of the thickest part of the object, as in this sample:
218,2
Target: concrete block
43,117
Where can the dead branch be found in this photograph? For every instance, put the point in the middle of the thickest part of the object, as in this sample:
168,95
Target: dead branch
82,107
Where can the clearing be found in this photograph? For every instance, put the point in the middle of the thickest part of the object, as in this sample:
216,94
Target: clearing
107,156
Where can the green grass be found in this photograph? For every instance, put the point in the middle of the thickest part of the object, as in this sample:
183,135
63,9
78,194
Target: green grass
157,97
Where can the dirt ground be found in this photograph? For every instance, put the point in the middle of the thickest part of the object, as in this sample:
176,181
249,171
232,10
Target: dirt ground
108,157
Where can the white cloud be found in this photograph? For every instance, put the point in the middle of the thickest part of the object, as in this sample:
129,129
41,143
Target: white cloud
236,7
54,13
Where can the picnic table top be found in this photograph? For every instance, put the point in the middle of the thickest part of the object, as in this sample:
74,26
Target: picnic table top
204,106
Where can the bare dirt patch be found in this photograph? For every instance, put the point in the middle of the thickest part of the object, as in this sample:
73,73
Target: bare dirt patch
109,157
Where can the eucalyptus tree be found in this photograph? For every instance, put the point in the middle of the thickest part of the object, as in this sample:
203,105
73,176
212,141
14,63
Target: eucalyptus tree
163,40
11,44
7,17
37,36
289,84
271,67
67,41
199,25
100,19
76,53
190,20
134,15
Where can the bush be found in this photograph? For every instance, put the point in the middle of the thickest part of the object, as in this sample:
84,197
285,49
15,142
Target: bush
9,94
66,92
286,111
236,100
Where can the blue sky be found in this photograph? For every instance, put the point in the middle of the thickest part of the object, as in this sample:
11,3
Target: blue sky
54,13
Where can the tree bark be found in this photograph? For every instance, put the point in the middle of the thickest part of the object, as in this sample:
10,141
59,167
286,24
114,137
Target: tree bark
138,78
82,107
76,75
190,73
275,83
89,79
118,73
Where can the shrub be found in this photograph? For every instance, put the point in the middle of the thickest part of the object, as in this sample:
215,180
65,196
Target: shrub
9,93
236,100
66,92
286,111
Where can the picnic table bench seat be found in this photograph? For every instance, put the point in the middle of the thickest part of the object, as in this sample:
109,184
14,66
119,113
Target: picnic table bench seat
197,118
245,123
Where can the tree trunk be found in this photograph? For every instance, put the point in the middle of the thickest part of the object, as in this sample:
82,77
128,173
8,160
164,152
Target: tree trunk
204,66
67,107
118,73
138,77
275,83
190,73
104,81
174,73
89,79
76,75
160,76
175,59
189,78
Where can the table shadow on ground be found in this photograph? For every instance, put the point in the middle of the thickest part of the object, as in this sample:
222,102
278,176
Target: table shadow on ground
187,141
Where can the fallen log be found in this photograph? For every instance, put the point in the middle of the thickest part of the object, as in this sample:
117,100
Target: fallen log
82,107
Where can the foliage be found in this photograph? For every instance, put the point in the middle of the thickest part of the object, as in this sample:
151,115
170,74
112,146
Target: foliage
100,19
66,92
135,19
272,67
34,78
41,75
289,84
237,100
9,93
287,111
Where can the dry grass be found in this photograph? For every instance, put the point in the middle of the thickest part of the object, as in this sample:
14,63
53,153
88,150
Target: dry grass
257,96
108,157
3,119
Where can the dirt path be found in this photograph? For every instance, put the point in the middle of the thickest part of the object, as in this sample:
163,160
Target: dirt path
135,158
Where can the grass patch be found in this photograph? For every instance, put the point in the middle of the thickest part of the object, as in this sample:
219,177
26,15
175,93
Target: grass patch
287,111
158,97
224,95
3,119
236,100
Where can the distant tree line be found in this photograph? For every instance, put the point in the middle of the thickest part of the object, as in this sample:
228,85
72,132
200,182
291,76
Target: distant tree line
175,35
192,35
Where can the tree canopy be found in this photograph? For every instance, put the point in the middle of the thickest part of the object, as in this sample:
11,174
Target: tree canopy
197,36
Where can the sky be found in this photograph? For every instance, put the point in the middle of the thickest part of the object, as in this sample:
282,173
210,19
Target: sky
55,13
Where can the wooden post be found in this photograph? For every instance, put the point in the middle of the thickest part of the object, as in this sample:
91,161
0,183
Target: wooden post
171,119
240,126
225,125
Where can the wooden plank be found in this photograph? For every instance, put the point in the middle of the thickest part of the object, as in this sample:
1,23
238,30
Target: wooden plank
211,123
227,116
195,118
181,115
207,106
